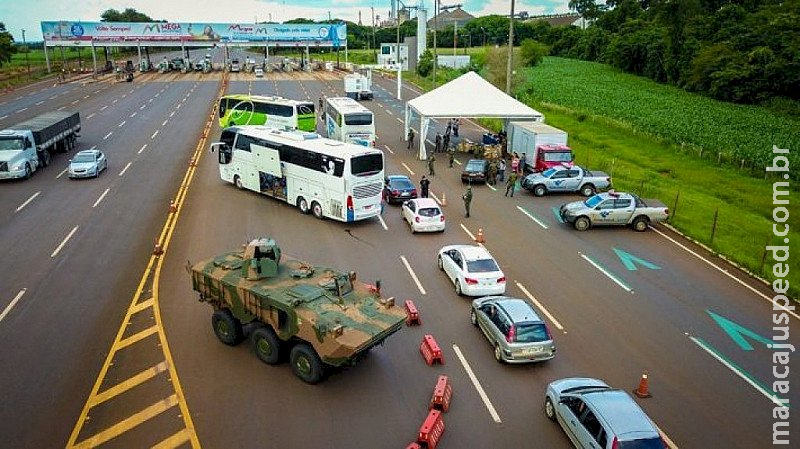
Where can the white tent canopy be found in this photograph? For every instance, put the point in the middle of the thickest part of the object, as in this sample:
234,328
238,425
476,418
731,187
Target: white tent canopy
468,96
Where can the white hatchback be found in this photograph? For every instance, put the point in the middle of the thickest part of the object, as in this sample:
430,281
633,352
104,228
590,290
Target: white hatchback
472,270
423,215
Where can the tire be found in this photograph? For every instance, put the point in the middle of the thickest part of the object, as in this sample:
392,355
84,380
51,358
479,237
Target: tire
498,355
227,328
582,224
237,181
473,318
458,289
302,204
549,410
266,345
45,159
28,171
640,223
316,210
588,190
539,190
440,263
306,363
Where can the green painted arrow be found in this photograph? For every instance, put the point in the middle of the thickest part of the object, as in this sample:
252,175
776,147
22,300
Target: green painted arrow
630,261
737,332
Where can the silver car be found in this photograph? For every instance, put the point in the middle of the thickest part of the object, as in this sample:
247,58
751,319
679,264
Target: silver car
87,164
594,415
513,328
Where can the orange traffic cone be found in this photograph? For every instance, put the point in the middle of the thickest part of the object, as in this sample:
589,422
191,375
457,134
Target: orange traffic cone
479,238
444,200
644,390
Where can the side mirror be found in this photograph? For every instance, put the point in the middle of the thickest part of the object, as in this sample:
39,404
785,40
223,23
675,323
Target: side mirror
214,145
597,208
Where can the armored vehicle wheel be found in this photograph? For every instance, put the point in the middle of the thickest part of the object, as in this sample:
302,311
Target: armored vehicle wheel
306,363
539,190
316,210
588,190
267,345
582,223
227,328
640,223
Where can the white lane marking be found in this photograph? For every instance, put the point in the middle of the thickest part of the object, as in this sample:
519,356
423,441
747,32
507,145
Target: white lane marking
491,187
436,198
721,270
383,223
108,135
141,149
61,108
53,97
150,100
62,172
97,91
123,96
388,111
93,147
532,217
172,113
12,303
177,107
477,385
115,100
121,124
670,444
758,387
157,94
90,116
33,197
64,242
104,108
379,105
4,117
85,97
457,162
388,149
154,135
399,119
75,102
142,107
101,198
40,103
127,166
471,236
413,275
608,275
407,168
22,110
533,299
132,115
165,122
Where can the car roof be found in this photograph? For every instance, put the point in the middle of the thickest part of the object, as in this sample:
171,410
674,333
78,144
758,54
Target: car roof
425,202
477,161
88,152
517,309
474,252
621,412
397,177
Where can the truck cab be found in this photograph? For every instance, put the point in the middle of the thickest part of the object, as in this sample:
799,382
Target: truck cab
18,157
551,155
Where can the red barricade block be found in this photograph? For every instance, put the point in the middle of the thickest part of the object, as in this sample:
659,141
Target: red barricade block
412,317
432,429
413,446
430,350
442,393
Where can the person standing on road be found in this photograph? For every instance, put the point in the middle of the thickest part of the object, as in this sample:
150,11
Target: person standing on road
321,105
384,199
522,165
449,128
515,163
511,183
491,177
424,185
446,142
431,160
410,138
456,124
438,143
451,156
501,170
467,197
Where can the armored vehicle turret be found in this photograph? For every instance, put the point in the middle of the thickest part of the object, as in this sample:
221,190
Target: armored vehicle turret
319,316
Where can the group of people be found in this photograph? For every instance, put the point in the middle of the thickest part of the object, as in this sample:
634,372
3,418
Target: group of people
442,141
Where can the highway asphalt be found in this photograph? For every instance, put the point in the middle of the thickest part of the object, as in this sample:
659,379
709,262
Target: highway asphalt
609,321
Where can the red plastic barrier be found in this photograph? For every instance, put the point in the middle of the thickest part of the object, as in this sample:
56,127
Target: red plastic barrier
430,350
432,429
412,317
442,393
413,446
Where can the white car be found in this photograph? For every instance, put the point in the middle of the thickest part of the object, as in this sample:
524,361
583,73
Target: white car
259,72
472,270
87,164
423,215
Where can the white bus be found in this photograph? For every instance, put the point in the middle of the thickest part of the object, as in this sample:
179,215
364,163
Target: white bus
347,120
338,180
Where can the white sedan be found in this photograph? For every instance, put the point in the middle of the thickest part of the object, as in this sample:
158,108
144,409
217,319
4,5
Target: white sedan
472,270
87,164
423,215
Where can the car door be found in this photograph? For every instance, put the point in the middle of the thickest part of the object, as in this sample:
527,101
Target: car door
451,262
486,312
602,213
623,209
590,431
556,182
102,163
409,210
572,180
569,410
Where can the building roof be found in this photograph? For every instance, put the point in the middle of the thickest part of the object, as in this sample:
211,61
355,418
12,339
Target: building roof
446,18
557,20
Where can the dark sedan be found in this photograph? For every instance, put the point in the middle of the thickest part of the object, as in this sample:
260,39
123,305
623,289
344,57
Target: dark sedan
399,188
475,170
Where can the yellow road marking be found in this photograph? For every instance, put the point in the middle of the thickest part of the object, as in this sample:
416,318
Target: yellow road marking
126,385
135,338
174,441
129,423
141,306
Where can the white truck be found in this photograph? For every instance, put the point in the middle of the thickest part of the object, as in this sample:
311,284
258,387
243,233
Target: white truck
29,145
540,146
358,85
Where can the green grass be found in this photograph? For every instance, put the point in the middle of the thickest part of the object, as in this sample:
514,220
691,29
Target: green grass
15,73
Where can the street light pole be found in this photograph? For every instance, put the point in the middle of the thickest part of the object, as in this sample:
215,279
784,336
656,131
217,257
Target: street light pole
435,26
27,50
510,49
398,60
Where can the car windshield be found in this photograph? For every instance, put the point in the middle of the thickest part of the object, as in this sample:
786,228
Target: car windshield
429,212
482,266
531,333
558,156
368,164
474,166
593,201
549,172
400,184
10,144
649,443
83,158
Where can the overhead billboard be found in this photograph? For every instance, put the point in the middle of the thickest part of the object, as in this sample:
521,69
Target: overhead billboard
83,33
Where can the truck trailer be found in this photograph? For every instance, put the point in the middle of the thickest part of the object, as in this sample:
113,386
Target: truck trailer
540,146
29,145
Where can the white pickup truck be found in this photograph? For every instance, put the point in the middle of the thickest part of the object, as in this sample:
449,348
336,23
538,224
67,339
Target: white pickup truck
566,179
614,209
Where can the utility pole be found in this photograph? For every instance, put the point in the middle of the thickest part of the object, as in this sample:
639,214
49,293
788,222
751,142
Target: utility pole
374,48
510,48
455,36
27,50
399,64
435,26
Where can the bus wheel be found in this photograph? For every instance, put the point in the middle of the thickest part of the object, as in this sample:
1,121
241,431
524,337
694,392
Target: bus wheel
237,181
302,204
316,210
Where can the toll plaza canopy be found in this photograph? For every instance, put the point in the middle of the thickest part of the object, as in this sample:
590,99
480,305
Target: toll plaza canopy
468,96
192,34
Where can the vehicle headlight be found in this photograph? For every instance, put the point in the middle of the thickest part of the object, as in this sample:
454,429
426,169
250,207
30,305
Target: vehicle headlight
18,166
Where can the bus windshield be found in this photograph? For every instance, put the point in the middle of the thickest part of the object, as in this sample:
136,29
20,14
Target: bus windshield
358,119
305,109
368,164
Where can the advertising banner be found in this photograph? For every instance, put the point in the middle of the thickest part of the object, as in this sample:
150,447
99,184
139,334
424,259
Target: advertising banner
77,33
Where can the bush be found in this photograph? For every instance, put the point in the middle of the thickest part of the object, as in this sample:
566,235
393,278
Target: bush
532,52
425,64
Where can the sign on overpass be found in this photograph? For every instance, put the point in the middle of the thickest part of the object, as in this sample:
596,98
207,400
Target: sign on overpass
192,34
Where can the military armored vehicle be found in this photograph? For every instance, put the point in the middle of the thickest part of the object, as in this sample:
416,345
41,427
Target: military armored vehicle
318,316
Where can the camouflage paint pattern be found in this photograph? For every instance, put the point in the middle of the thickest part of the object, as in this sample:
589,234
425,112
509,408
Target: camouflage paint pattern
339,318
